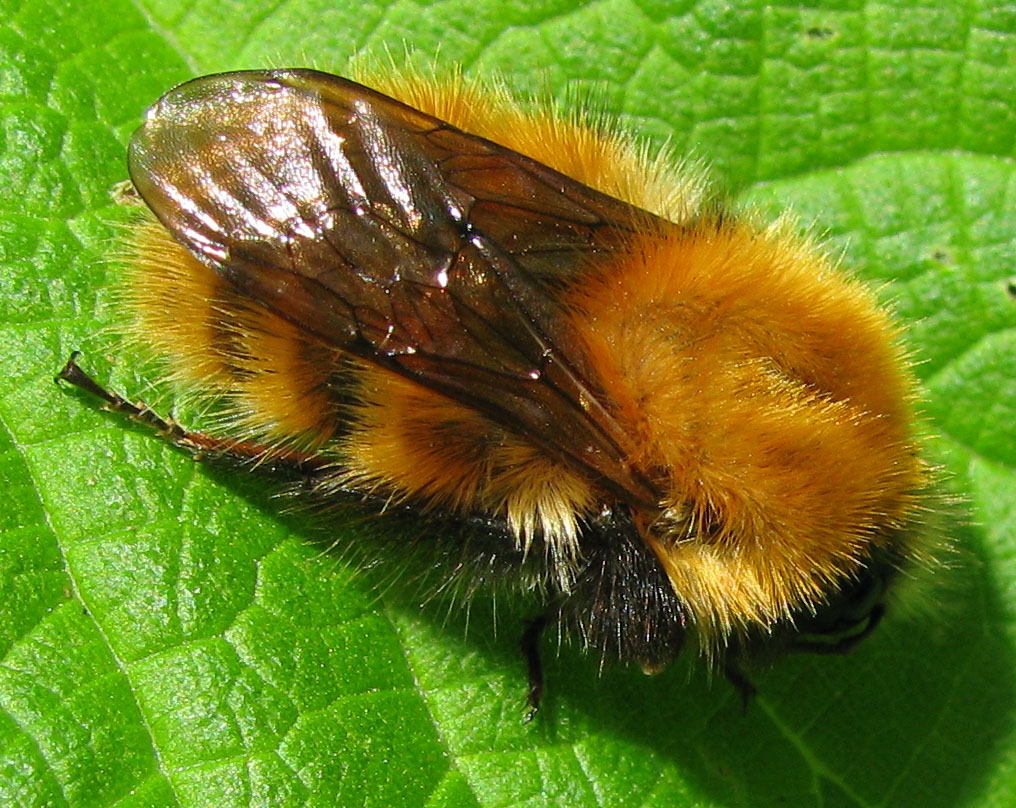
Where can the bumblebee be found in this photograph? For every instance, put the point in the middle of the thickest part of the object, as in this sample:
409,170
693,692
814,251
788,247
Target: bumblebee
553,351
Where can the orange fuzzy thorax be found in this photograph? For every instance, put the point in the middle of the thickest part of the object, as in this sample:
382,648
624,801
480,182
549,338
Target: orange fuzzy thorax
771,397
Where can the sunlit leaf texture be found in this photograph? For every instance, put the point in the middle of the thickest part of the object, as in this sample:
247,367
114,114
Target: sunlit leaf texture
170,636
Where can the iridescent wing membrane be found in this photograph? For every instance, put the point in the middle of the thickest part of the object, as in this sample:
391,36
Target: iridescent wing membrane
397,237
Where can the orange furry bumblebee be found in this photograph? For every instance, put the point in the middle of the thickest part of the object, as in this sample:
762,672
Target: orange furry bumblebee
547,347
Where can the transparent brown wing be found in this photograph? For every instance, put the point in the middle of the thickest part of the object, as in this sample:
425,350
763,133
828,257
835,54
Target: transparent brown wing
398,238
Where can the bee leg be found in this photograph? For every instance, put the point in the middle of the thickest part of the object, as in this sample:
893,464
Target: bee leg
531,651
198,444
741,683
846,642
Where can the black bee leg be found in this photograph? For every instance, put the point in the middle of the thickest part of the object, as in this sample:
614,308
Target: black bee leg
114,402
200,445
843,643
531,651
741,683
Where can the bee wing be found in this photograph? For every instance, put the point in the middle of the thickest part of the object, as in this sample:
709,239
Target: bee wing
398,238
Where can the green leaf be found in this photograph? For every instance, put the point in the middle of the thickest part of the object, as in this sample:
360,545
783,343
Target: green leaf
169,636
